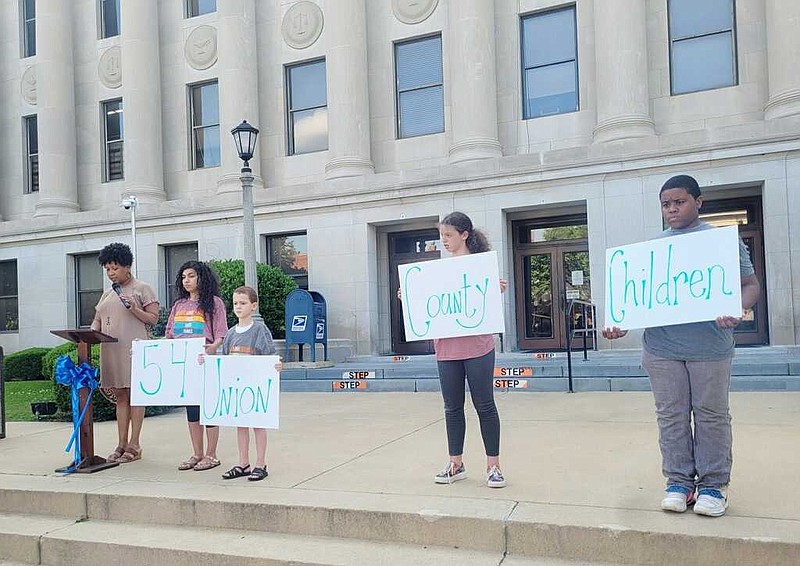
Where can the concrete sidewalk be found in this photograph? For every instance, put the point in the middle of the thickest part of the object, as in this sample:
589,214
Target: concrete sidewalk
588,459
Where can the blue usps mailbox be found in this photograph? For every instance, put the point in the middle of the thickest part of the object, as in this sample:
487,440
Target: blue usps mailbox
306,322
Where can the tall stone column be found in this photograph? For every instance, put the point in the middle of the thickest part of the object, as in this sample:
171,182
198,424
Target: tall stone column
58,176
473,87
783,53
141,76
623,97
238,87
348,90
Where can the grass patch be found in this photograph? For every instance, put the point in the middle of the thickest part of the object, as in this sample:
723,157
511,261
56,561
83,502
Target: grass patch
20,395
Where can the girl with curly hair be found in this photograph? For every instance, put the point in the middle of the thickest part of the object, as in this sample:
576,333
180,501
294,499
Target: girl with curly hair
198,311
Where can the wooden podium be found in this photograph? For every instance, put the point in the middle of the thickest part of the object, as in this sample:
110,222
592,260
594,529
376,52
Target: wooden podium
89,463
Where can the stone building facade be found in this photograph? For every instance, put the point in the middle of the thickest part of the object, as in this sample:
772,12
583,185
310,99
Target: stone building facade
551,123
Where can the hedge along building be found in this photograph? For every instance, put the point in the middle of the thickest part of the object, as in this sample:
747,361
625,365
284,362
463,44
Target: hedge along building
552,124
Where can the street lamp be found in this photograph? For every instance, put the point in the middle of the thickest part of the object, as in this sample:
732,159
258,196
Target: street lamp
244,136
130,202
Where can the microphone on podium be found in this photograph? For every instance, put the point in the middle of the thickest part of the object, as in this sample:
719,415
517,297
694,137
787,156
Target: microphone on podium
118,290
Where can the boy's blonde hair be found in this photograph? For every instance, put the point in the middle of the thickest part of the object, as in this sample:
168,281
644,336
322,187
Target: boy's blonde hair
249,291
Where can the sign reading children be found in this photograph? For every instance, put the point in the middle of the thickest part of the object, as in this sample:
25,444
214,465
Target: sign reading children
456,296
688,278
165,372
240,391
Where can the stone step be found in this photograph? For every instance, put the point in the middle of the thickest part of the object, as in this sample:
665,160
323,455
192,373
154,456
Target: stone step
106,542
487,527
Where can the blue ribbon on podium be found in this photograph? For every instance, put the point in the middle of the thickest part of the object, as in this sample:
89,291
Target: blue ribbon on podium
76,378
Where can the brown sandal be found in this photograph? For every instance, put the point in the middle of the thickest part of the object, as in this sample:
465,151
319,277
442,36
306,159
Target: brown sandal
189,464
116,454
131,455
206,464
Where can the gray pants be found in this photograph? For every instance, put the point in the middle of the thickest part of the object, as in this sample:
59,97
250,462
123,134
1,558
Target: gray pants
684,390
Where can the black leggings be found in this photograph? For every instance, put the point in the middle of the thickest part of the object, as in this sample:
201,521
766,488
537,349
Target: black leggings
478,372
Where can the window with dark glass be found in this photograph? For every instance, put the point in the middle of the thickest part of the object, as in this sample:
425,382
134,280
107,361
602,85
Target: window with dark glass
31,154
204,112
9,298
289,253
88,286
702,38
113,134
549,63
420,87
200,7
28,28
176,255
307,104
109,18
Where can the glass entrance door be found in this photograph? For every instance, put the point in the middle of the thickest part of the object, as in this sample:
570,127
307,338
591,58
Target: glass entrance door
551,267
408,247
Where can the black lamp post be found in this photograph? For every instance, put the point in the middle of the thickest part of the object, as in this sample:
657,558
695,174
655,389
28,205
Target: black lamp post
245,136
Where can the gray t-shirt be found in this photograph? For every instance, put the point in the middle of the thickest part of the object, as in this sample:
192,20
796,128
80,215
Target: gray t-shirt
696,341
255,341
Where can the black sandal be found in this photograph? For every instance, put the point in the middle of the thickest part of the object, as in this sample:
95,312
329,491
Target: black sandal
258,474
237,472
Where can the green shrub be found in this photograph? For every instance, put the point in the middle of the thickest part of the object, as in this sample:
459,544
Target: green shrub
102,408
160,327
25,365
273,287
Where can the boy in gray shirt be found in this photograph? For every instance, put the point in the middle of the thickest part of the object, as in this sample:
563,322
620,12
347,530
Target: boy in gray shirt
689,366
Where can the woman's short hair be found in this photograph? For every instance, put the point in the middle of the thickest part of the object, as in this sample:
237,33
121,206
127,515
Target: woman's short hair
116,253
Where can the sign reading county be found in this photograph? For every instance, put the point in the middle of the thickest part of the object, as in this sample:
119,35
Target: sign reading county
240,391
165,372
456,296
687,278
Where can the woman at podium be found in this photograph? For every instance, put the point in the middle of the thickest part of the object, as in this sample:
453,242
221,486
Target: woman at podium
124,311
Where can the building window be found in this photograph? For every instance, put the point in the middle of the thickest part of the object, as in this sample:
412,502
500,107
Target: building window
204,102
28,28
109,18
88,286
702,42
420,87
549,63
112,132
307,104
200,7
289,253
9,299
175,256
31,128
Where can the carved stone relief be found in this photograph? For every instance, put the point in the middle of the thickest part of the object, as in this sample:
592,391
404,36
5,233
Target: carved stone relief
201,47
302,25
110,67
28,86
413,11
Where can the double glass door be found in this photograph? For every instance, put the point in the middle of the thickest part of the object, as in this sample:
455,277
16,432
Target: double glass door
551,268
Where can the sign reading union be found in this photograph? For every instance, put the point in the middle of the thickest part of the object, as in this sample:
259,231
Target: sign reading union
456,296
688,278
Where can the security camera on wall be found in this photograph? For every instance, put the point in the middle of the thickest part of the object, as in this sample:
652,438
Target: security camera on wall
129,202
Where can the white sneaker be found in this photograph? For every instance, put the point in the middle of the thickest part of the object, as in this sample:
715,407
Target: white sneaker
494,477
451,473
711,502
677,499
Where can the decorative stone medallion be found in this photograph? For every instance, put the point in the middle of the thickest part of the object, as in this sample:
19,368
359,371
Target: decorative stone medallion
413,11
302,25
28,86
110,67
201,47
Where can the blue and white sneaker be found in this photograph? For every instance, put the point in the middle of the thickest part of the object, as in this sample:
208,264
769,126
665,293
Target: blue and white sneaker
451,473
494,477
711,502
678,498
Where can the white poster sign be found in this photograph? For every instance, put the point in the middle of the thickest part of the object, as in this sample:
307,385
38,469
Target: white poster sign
240,391
456,296
165,372
689,278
